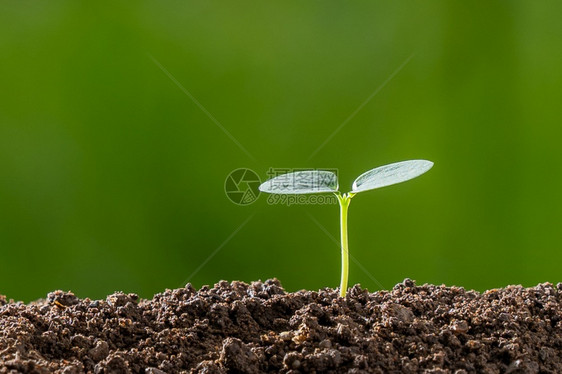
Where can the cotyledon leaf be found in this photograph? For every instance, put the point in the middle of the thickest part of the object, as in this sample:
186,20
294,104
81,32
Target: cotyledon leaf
390,174
302,182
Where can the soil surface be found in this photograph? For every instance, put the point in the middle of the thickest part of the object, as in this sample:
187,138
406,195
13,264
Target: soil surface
258,328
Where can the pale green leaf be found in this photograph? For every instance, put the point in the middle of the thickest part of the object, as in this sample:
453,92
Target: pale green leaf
302,182
390,174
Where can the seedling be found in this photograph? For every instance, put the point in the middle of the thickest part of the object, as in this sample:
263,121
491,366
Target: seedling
320,181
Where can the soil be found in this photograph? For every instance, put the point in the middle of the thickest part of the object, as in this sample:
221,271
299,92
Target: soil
259,328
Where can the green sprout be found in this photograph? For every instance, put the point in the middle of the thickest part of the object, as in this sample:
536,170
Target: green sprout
321,181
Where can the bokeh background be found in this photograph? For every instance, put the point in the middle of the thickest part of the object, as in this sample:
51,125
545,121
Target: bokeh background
112,177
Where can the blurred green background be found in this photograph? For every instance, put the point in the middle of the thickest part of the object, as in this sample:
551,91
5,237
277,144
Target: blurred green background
112,177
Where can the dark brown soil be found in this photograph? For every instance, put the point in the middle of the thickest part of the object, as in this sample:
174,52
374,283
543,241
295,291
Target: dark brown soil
240,328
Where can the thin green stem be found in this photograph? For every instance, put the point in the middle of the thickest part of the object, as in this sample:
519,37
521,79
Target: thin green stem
344,201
